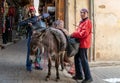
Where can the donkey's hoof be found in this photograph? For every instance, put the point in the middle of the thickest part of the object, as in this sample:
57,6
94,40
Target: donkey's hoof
57,79
62,69
47,78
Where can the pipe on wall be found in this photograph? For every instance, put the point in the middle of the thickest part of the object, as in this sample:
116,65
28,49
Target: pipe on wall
92,49
75,11
66,14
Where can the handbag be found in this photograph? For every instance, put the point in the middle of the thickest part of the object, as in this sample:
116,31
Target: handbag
73,46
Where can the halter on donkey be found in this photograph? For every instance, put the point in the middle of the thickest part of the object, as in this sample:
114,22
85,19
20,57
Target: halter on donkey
52,41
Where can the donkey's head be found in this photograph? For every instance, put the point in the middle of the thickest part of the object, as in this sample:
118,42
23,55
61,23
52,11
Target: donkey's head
36,43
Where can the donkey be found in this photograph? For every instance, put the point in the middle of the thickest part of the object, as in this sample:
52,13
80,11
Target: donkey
54,43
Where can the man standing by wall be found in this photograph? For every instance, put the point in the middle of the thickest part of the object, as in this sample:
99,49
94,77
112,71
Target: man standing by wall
83,33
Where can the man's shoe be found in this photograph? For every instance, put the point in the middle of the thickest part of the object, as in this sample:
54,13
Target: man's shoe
29,69
39,68
77,78
87,81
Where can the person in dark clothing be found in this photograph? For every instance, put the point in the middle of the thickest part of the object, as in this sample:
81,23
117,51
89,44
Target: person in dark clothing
4,38
7,30
83,33
7,27
6,33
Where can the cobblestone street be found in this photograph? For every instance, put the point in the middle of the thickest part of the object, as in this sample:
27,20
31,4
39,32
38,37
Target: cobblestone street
12,69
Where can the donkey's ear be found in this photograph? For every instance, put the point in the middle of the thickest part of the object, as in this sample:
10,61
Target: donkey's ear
35,34
39,35
43,30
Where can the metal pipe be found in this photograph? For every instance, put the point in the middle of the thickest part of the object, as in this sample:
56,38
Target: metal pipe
66,14
92,49
94,57
75,11
90,15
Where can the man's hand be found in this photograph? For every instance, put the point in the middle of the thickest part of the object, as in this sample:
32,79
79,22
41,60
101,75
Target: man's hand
30,24
39,18
34,31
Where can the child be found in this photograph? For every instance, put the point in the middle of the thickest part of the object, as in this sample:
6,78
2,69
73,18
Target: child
38,60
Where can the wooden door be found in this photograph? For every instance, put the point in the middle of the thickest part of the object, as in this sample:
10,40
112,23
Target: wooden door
60,4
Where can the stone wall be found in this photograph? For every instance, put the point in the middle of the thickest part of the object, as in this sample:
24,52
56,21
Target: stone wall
107,30
73,10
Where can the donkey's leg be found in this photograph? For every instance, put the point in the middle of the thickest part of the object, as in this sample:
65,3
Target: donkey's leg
49,68
57,66
62,60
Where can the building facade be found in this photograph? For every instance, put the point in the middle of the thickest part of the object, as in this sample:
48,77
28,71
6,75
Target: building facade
106,24
107,30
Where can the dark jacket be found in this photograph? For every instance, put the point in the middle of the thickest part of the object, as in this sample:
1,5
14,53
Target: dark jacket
36,24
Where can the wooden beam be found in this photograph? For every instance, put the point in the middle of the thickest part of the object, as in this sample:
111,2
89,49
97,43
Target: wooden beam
60,7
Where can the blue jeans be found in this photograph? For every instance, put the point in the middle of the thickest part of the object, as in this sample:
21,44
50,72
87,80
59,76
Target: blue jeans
28,62
81,63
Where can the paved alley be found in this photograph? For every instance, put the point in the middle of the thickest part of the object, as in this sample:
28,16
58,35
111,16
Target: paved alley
12,69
